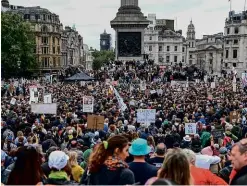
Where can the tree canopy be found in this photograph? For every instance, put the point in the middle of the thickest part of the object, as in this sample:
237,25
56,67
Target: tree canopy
18,44
102,57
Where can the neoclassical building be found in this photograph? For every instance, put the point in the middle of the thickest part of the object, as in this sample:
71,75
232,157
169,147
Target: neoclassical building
235,42
47,28
162,44
72,45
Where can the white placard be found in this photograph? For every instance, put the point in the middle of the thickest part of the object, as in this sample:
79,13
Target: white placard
132,103
47,98
190,128
212,84
34,94
173,83
82,83
142,86
44,108
159,91
12,102
234,87
88,104
146,115
152,91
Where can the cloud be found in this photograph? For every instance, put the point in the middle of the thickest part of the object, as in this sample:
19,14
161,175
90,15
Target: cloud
92,17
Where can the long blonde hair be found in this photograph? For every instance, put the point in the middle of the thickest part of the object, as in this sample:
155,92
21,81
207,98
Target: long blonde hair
176,167
73,158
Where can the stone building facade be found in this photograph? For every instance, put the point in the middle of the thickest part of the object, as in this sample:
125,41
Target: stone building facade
72,43
87,57
162,44
208,53
235,45
47,28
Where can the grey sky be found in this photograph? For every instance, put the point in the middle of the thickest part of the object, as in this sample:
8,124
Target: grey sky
91,17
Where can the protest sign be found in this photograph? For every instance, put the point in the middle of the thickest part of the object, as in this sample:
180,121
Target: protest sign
152,91
132,103
95,122
190,128
44,108
244,79
234,116
212,84
146,115
88,102
90,87
12,102
234,87
142,86
219,133
47,98
82,83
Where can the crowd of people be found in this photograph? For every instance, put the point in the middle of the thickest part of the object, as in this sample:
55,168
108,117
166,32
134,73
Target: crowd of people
61,150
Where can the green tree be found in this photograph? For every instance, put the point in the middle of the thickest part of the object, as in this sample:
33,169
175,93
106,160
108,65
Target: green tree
18,43
102,57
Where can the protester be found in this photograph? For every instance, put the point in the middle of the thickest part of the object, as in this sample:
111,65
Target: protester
106,165
141,169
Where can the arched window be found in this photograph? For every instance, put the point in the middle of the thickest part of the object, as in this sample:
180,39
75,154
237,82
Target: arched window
44,28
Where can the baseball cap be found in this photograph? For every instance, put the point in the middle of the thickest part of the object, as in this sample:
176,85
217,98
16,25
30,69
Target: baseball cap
58,160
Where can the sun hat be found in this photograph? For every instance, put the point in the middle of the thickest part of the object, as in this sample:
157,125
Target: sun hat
58,160
139,147
187,138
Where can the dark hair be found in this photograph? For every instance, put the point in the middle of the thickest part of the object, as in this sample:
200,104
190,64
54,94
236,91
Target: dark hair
27,169
101,154
163,182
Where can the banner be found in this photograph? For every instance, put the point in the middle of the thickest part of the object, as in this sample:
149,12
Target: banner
121,103
47,98
88,104
146,115
44,108
190,128
244,79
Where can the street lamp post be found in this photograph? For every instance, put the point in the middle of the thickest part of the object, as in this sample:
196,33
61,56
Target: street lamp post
19,66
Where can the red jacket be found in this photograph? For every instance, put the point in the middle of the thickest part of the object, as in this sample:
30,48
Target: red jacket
205,177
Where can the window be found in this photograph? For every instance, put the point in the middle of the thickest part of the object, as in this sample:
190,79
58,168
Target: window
175,58
227,53
176,48
44,28
190,56
183,49
27,16
150,38
53,50
192,44
211,54
210,61
45,62
235,54
45,50
34,50
37,16
226,65
167,59
150,48
54,61
58,41
53,40
161,59
227,41
44,40
182,58
160,48
189,44
236,30
235,41
58,50
228,30
168,48
234,64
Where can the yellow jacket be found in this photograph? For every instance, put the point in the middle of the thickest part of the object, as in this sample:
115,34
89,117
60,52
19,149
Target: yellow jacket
77,172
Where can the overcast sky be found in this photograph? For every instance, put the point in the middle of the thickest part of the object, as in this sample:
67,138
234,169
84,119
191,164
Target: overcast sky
91,17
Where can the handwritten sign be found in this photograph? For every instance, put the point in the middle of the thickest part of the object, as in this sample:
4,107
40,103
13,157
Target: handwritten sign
146,115
234,116
12,102
190,128
95,122
218,133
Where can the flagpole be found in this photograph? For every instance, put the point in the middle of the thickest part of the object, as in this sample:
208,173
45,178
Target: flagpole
230,5
244,5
